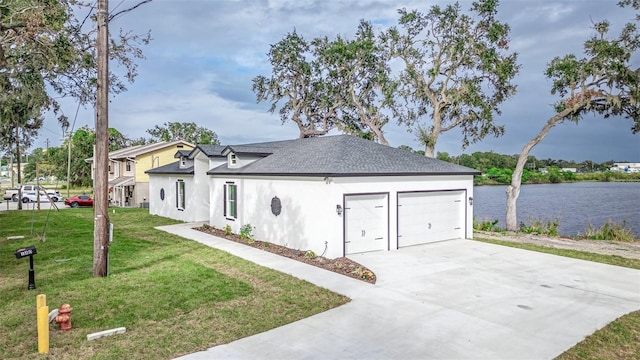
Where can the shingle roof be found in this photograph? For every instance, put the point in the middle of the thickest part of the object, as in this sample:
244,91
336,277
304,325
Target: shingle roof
337,156
173,168
208,150
181,153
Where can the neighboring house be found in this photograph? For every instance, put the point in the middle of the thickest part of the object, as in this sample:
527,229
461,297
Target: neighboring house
128,182
544,170
334,195
626,167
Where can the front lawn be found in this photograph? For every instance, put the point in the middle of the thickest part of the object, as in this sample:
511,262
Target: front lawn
174,296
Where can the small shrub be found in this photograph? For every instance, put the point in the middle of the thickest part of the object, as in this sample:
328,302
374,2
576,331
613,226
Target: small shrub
309,254
227,230
610,231
486,225
246,231
366,275
357,271
362,273
537,226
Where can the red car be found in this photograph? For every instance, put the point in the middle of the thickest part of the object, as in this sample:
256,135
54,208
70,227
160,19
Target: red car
79,200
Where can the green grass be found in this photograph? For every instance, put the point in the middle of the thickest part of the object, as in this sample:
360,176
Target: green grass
173,295
620,339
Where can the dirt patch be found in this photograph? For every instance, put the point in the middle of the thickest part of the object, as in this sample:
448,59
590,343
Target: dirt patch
629,250
341,265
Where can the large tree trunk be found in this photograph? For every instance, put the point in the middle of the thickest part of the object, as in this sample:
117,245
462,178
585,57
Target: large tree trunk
513,190
379,133
429,140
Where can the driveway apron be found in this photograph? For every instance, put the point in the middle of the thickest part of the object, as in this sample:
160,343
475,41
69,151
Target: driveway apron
457,299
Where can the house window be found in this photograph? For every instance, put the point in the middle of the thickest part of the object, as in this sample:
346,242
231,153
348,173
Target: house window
183,162
128,165
230,201
233,160
180,194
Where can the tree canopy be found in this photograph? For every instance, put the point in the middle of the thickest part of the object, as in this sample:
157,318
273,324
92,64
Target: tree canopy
50,44
456,71
189,132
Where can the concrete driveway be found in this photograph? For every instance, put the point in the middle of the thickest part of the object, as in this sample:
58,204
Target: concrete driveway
457,299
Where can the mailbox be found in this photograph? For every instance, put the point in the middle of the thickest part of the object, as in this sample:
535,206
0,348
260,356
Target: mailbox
24,252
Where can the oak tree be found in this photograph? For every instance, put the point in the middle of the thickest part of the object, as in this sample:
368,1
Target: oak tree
457,71
189,132
360,74
602,82
296,85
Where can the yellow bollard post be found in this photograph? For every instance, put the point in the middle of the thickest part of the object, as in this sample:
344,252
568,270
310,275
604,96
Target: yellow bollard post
43,324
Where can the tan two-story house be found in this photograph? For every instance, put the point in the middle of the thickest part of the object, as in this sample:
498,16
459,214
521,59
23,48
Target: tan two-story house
128,182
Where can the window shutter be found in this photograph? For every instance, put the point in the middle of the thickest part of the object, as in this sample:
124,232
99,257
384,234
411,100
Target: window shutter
235,201
177,194
225,200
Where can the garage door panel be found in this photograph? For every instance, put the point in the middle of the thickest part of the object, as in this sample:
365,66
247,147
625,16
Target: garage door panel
425,217
366,223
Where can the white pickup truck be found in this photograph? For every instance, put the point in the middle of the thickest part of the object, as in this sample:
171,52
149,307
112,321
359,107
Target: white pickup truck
29,194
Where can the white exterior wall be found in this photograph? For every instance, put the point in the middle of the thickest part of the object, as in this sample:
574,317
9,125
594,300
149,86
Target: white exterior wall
201,187
308,218
167,207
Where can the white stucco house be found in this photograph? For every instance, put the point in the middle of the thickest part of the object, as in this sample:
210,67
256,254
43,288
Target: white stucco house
334,195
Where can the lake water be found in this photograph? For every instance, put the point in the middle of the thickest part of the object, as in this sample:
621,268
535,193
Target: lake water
574,205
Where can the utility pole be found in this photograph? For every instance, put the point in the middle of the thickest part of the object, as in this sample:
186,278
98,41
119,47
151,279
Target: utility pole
100,184
19,172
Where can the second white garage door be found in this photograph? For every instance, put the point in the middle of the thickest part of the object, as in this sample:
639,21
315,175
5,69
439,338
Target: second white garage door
366,223
425,217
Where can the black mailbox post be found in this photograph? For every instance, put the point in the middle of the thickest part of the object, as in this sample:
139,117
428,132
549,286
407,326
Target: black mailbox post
24,252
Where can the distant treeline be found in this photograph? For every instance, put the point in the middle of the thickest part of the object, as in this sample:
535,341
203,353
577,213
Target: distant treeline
498,168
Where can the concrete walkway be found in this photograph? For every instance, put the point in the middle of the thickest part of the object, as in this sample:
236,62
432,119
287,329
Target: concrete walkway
457,299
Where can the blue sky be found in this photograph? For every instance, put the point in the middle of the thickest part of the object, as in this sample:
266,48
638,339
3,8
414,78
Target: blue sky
204,53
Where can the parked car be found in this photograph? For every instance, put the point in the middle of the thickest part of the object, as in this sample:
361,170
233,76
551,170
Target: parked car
32,196
79,200
11,194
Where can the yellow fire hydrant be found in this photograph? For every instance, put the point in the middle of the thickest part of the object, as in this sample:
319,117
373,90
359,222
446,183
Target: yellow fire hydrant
64,317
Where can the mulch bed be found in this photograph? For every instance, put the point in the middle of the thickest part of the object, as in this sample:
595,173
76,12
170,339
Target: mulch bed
341,265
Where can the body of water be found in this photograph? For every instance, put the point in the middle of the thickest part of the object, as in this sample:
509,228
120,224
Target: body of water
574,205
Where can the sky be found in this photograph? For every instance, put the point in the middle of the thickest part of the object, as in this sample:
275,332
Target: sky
204,54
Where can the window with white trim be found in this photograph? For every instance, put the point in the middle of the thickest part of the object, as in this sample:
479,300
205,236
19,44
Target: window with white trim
230,201
180,194
233,159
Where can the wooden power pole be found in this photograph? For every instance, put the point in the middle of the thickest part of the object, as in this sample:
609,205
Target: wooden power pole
101,155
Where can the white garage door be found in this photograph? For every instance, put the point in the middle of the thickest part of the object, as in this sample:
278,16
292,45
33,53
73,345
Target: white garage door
366,222
425,217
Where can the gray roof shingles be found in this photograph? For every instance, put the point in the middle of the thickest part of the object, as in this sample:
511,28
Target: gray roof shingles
173,168
337,156
210,150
